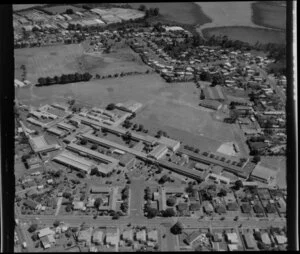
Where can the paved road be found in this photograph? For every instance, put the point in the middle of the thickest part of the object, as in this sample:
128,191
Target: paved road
272,82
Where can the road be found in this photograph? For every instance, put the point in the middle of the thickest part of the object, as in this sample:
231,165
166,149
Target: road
188,221
272,82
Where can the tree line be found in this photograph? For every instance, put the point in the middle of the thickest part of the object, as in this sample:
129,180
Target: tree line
64,79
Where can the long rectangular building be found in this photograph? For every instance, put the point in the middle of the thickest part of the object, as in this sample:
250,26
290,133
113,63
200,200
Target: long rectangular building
170,143
74,161
108,143
99,156
228,167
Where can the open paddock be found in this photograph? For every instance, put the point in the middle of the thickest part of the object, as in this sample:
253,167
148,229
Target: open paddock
47,61
66,59
171,108
61,9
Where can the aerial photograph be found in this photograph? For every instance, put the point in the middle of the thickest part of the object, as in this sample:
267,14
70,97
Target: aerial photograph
152,126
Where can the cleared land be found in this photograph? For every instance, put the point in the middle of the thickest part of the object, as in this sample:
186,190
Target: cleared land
184,12
277,163
47,61
18,7
247,34
66,59
172,108
62,8
269,14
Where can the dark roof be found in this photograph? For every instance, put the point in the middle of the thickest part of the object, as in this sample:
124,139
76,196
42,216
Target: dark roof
194,206
182,206
126,158
246,208
270,208
258,145
232,206
258,209
220,209
193,236
30,203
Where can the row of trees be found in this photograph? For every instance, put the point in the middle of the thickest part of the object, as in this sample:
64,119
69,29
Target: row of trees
149,12
122,74
64,79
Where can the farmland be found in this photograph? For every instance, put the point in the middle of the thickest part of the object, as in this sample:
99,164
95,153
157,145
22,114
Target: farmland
269,14
65,59
47,61
62,9
184,12
247,34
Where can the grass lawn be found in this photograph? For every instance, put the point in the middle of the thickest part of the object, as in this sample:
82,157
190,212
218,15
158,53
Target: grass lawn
269,14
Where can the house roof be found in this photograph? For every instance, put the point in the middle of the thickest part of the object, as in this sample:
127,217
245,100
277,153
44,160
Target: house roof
232,206
258,209
193,237
127,235
220,209
246,208
141,235
153,235
45,231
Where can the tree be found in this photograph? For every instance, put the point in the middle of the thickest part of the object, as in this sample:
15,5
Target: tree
238,184
98,202
222,193
177,228
171,201
66,195
151,212
83,141
56,223
32,228
69,11
42,81
163,179
169,212
94,171
155,11
189,188
94,147
115,216
142,8
124,206
256,159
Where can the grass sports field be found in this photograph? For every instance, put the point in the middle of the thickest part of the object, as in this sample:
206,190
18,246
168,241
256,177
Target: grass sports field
269,14
172,108
66,59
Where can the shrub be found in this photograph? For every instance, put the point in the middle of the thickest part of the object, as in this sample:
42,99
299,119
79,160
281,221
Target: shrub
171,201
